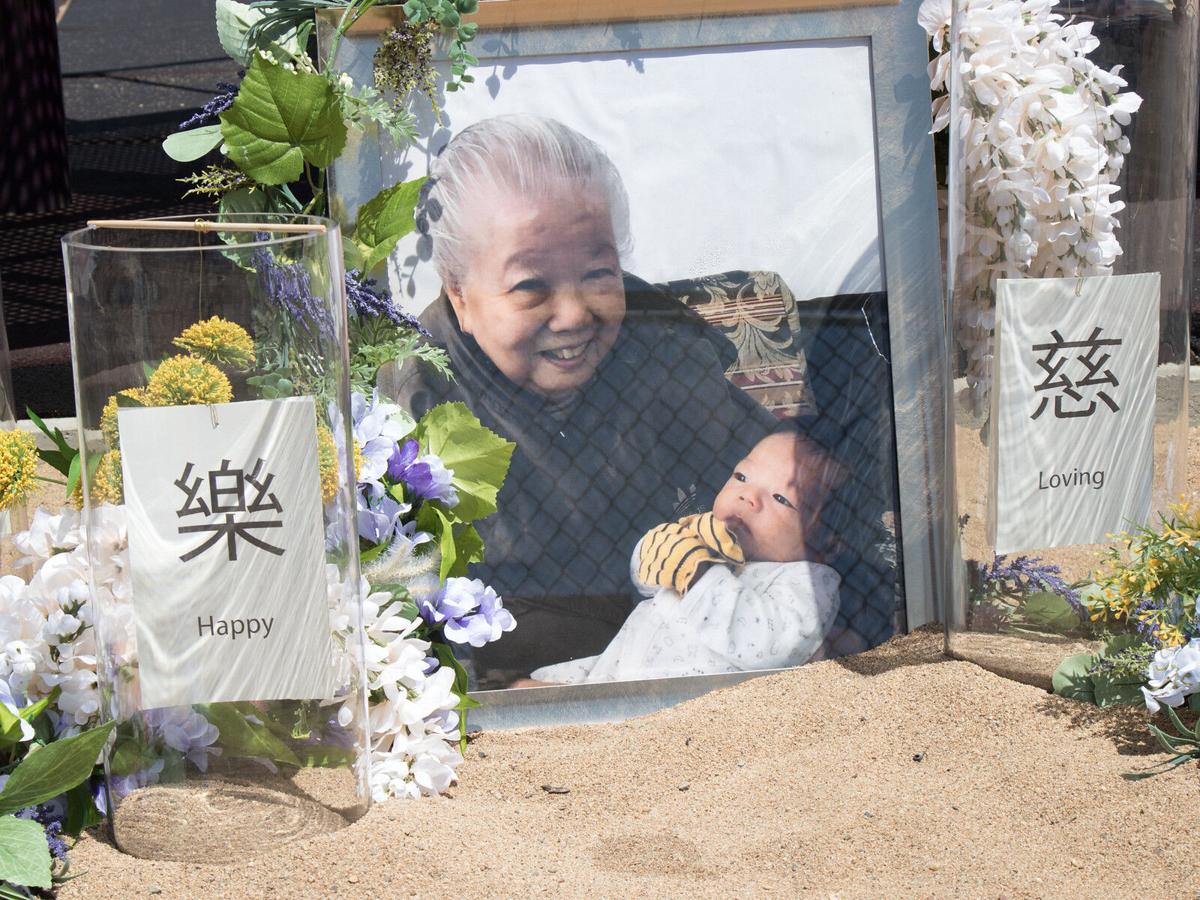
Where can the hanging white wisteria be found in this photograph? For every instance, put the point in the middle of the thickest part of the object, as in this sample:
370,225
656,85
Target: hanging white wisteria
1041,131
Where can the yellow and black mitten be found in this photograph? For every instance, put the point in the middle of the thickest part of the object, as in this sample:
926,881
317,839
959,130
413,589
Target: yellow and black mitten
674,555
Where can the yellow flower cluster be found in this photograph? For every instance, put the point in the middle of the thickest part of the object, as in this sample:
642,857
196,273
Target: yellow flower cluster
327,459
18,467
107,484
1152,581
218,341
108,418
186,380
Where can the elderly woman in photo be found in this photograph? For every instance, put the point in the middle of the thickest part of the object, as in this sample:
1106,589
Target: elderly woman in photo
613,391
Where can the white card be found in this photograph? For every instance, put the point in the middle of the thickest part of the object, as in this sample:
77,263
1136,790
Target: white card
1073,409
227,552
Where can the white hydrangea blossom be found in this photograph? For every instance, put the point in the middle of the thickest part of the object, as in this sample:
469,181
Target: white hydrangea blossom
46,626
1040,127
47,641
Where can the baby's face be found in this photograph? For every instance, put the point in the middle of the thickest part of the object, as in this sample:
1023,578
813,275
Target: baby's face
761,503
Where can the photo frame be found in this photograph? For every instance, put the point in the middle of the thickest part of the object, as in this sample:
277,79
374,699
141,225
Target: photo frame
887,45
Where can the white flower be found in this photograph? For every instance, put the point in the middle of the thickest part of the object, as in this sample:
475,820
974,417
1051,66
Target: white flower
1040,127
47,640
1172,675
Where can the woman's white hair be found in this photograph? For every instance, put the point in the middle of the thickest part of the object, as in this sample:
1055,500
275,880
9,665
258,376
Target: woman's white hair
527,155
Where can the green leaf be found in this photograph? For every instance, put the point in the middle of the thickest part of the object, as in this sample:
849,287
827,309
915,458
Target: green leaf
1049,610
81,810
352,256
1071,678
129,756
1115,692
53,770
10,727
233,23
384,219
444,654
73,474
60,458
373,553
280,120
468,549
477,457
243,200
33,710
327,756
188,146
24,853
240,737
446,544
1120,643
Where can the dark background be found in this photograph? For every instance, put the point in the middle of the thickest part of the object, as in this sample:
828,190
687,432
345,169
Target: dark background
132,70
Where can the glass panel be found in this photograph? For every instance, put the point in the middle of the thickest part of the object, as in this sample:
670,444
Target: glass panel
1070,227
672,299
213,397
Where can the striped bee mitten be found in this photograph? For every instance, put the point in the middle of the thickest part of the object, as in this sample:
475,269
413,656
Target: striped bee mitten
674,555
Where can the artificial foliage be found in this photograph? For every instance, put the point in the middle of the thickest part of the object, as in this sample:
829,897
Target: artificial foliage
263,145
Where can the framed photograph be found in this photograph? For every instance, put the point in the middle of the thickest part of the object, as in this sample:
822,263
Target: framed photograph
685,255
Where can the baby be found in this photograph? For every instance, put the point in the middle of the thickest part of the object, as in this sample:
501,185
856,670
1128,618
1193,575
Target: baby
733,590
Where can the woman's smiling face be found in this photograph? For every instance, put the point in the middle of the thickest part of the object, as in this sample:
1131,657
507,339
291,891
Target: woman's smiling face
543,294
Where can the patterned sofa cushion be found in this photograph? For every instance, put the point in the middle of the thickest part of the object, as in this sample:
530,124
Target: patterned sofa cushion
757,312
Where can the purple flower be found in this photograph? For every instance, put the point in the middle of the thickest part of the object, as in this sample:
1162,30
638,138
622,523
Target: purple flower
379,519
289,287
1024,575
58,846
186,731
217,105
50,824
425,476
370,303
124,785
377,426
469,612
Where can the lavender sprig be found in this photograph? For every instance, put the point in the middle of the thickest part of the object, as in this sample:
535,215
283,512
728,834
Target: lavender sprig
368,302
217,105
288,285
1026,574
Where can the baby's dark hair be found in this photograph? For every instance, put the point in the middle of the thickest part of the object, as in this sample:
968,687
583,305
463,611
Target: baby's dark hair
808,428
811,433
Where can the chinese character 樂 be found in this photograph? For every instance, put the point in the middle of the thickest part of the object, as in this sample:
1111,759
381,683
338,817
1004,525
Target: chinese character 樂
1058,365
223,496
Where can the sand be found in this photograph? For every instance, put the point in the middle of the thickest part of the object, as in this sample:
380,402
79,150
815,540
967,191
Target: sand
898,772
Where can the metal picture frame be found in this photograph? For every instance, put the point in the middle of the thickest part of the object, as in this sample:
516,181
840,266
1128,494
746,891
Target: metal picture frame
908,228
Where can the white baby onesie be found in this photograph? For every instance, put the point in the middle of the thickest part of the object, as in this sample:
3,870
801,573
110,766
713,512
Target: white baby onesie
767,615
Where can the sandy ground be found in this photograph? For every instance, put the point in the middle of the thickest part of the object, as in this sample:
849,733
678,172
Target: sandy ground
899,772
895,773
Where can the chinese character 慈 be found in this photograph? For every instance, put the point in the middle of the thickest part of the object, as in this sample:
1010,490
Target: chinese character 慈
1067,373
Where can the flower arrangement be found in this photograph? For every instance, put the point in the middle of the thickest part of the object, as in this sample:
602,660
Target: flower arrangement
1040,126
414,515
1142,604
264,145
1150,583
